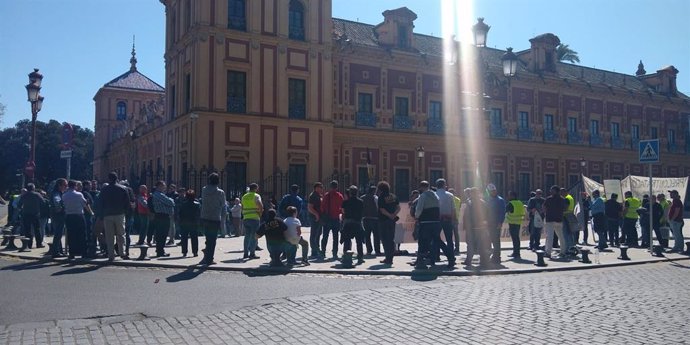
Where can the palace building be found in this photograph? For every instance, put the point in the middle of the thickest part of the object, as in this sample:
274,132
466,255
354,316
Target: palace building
281,91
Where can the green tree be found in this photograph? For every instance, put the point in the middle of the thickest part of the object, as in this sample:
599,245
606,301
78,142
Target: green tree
49,165
2,112
564,53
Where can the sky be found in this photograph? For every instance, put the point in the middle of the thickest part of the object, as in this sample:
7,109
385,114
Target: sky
79,45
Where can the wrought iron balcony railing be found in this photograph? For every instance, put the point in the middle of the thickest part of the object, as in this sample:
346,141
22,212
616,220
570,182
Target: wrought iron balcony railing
525,133
365,120
237,105
498,131
574,138
402,122
434,126
550,136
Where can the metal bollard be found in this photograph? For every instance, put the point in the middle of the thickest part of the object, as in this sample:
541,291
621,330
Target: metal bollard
346,260
540,259
585,256
10,242
658,251
624,253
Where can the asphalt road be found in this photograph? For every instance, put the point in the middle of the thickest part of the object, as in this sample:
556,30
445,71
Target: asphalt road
32,291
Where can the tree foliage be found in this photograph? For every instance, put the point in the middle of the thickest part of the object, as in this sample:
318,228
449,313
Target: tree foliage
564,53
49,166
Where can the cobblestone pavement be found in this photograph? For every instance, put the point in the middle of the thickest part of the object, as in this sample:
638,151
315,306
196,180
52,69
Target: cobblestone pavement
646,304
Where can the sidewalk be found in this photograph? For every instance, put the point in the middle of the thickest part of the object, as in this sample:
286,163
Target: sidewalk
229,252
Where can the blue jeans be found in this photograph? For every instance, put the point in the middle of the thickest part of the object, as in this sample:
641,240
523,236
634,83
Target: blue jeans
250,228
425,240
436,243
333,225
677,228
315,235
58,224
447,227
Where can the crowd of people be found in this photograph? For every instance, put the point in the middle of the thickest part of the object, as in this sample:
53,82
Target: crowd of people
99,219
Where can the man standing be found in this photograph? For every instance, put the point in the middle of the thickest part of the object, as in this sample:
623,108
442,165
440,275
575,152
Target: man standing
389,207
570,226
331,206
57,215
585,206
314,209
172,194
675,216
163,211
630,220
665,205
30,210
75,204
370,220
114,203
291,199
496,216
515,212
457,204
252,208
475,224
554,207
141,215
613,210
534,206
599,218
213,202
446,206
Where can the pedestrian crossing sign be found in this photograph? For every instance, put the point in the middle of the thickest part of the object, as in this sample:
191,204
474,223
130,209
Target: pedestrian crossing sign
649,151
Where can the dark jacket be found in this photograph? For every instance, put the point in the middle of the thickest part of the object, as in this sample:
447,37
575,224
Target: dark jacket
30,204
113,200
189,212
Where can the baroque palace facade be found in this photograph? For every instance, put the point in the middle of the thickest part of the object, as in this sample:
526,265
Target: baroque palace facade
257,87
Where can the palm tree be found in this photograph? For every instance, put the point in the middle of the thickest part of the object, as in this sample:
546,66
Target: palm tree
564,53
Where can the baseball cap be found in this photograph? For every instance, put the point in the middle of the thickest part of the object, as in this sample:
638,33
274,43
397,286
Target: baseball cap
491,187
538,191
673,191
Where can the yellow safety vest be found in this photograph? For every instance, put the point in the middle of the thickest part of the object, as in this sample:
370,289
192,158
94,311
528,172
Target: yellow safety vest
633,204
571,204
250,210
457,202
664,208
518,215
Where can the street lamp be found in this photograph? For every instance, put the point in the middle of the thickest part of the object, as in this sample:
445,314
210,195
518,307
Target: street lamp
33,90
510,62
480,29
420,156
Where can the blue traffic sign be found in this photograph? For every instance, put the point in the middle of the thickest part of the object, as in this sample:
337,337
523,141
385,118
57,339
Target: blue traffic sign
649,151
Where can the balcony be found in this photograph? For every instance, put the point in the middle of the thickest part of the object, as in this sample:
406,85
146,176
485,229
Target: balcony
574,138
596,140
402,122
296,32
550,136
525,133
617,143
366,120
498,131
297,111
434,126
237,105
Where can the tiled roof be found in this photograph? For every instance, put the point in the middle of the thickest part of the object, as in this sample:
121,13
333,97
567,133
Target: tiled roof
363,34
134,80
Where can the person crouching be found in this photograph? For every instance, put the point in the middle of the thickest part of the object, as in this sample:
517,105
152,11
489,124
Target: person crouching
294,238
274,229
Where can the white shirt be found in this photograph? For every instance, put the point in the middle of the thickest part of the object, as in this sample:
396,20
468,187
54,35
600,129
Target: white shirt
445,202
74,202
292,235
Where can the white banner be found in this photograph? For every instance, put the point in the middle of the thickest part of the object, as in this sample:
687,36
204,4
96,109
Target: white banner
639,186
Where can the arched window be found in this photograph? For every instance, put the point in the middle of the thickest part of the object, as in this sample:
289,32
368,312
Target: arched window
121,111
237,15
296,20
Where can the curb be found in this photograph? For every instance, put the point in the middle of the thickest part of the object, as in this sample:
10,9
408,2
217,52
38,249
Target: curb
301,270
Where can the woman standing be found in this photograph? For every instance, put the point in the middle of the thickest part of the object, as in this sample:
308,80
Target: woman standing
389,207
190,211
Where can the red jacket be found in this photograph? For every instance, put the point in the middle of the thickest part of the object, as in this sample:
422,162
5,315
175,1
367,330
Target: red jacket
331,204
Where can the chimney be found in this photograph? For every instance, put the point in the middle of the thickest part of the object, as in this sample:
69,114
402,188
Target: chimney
396,31
543,55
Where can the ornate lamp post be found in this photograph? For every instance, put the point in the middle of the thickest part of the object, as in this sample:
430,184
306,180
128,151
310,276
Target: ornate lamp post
510,62
33,90
420,157
480,29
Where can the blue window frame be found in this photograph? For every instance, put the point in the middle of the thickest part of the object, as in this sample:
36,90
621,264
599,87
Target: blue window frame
237,15
296,19
548,122
435,110
297,98
121,111
523,120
